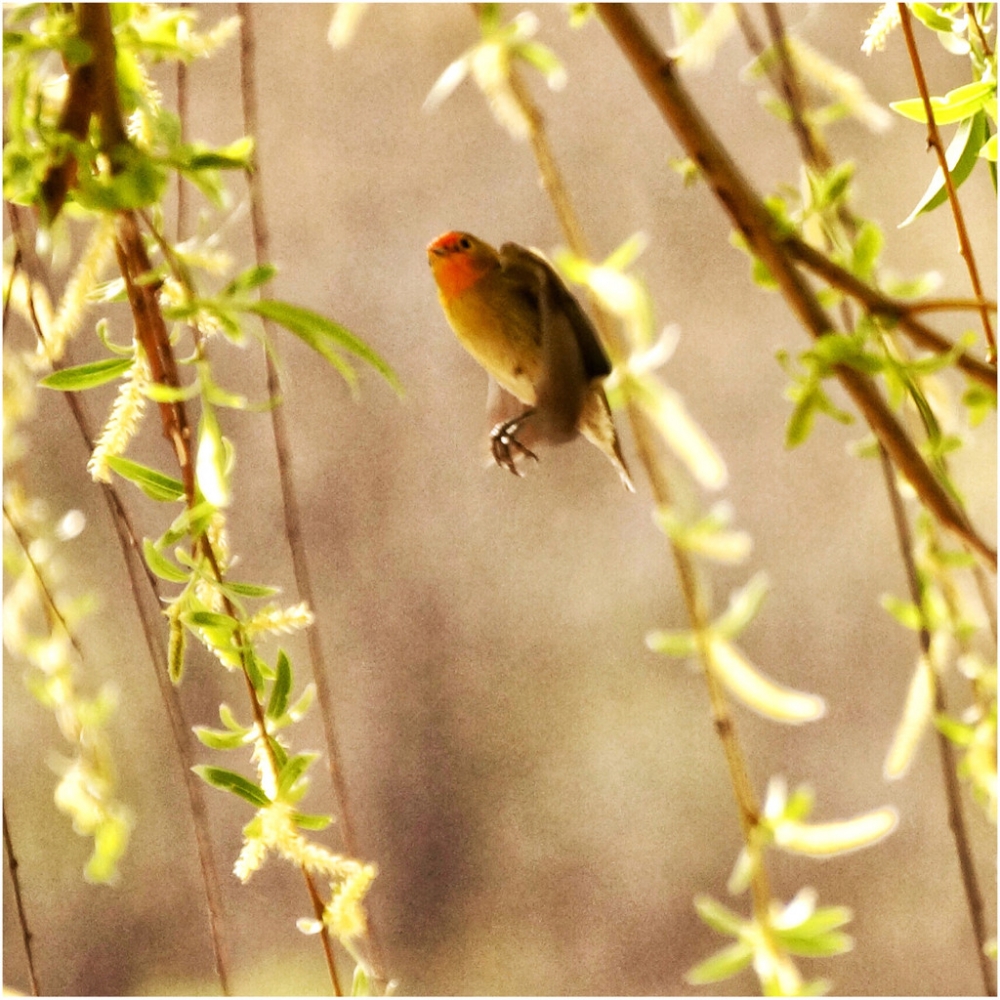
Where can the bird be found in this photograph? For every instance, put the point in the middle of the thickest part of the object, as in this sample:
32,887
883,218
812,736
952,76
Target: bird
512,312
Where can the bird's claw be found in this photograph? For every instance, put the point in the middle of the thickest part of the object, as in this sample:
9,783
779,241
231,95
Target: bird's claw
505,445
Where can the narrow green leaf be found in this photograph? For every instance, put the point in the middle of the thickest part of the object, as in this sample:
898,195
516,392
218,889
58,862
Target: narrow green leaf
219,739
963,102
323,335
278,701
825,840
250,279
816,946
931,18
312,821
672,642
155,485
230,781
723,964
209,619
161,565
293,769
905,612
720,918
961,156
211,460
744,605
249,589
88,375
918,712
757,691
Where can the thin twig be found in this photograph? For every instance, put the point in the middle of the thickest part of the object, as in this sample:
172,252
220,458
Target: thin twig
934,140
43,586
880,304
970,11
949,305
289,493
22,918
946,753
657,73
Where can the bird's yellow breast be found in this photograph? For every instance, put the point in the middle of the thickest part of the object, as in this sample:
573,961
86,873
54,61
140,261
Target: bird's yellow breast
500,331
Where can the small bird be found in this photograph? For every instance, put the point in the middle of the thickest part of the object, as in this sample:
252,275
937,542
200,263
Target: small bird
513,314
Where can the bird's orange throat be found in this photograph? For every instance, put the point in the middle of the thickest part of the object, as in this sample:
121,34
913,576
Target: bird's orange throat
456,273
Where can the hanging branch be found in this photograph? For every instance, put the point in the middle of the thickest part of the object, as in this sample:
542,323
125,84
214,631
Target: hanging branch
148,605
934,140
903,313
748,213
946,755
697,612
289,493
22,919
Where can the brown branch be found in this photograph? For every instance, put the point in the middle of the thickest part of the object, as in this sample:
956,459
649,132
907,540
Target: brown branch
934,141
748,213
811,143
148,605
289,492
946,754
970,12
948,305
882,305
22,918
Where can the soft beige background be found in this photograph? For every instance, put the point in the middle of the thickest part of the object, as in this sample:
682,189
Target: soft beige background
543,796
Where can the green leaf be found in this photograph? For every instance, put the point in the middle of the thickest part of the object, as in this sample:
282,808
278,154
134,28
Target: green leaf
230,781
236,156
252,664
293,770
961,156
312,821
211,460
929,17
219,739
323,335
957,104
672,642
744,605
161,565
250,279
720,918
905,612
818,946
278,702
155,485
88,375
248,589
209,619
723,964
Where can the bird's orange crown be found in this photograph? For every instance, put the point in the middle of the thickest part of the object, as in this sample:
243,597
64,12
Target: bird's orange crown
458,261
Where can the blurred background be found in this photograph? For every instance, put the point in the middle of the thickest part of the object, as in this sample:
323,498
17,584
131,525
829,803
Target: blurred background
542,795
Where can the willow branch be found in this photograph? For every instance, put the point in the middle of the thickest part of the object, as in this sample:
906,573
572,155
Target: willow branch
902,313
946,754
749,215
691,592
22,917
934,140
146,601
289,492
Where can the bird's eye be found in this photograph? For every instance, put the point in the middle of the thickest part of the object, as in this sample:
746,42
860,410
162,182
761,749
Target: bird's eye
465,243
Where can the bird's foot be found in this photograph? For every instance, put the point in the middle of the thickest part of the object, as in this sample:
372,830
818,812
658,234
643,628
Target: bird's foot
505,445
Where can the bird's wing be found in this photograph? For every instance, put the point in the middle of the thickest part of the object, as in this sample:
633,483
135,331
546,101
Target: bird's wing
562,384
